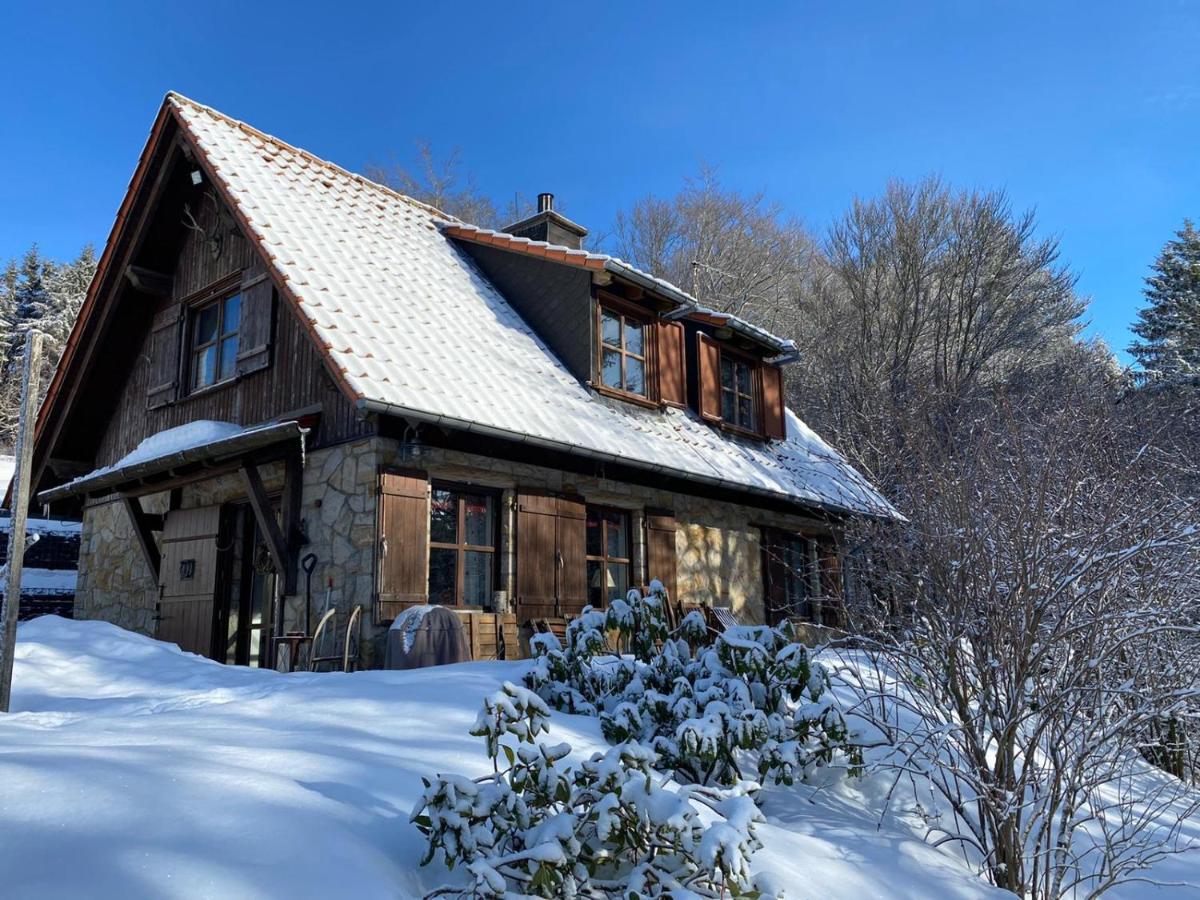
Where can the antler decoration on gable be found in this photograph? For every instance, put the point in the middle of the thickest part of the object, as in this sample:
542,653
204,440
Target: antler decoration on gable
214,234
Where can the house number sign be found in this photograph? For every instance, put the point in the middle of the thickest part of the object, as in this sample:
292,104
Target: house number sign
187,569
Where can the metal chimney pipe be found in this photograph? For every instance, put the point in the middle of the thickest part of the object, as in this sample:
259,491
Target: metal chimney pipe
545,202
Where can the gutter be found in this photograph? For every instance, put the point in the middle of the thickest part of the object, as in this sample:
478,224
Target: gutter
379,406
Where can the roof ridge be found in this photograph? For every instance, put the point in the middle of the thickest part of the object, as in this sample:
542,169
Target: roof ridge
178,100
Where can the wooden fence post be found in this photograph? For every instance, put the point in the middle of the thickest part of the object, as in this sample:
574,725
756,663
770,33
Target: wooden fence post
30,385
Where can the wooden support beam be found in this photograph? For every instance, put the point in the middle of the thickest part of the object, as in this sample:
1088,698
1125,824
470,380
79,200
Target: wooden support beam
143,528
293,489
156,284
267,524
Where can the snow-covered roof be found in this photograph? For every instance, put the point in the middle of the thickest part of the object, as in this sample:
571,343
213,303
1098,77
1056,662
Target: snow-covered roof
413,328
174,447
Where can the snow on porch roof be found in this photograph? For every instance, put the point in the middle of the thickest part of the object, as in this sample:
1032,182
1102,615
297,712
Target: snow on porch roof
410,327
166,451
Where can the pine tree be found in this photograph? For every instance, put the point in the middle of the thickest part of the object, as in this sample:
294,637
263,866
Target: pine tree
1169,326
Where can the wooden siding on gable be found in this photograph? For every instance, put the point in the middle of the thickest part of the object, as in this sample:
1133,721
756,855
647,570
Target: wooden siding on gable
295,380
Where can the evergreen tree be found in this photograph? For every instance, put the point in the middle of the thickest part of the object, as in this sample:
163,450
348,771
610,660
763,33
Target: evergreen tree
40,293
1168,328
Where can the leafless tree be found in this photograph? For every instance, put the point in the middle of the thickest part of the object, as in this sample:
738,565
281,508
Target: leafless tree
926,297
1029,640
733,251
441,183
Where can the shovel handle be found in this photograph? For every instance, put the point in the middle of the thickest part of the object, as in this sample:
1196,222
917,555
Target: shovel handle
309,563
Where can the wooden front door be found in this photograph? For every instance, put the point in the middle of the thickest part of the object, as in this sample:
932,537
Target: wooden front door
188,578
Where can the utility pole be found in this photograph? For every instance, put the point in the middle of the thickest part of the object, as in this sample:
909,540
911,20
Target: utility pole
30,384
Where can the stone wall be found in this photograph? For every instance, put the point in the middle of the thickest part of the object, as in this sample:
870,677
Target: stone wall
338,513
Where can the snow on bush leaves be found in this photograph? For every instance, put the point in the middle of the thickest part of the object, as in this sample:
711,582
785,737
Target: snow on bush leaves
607,827
709,707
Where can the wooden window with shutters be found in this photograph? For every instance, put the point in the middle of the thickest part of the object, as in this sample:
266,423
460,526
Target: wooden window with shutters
551,560
609,559
739,392
403,544
462,545
213,335
660,549
626,352
790,584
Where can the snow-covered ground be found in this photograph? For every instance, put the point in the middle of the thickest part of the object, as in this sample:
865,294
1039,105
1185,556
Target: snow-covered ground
131,769
8,465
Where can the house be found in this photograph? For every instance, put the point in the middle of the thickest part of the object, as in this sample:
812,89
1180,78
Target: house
281,360
48,578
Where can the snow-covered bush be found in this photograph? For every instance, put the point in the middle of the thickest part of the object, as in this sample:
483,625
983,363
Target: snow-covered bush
711,706
609,826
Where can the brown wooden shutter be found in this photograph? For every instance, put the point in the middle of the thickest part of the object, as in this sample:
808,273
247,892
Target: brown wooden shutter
831,582
571,537
162,387
537,552
774,423
708,370
258,322
403,541
660,550
671,383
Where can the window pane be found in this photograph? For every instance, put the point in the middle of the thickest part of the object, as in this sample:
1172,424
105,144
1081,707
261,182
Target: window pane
743,378
633,338
729,406
618,546
610,328
442,565
204,371
745,412
635,375
478,511
610,369
618,580
443,517
477,578
597,590
206,324
229,349
595,537
233,313
726,373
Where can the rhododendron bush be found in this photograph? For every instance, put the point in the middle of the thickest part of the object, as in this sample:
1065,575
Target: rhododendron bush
696,720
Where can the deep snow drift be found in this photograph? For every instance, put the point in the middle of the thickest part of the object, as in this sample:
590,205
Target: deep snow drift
131,769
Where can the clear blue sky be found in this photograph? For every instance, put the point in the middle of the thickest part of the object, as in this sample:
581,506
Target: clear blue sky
1089,111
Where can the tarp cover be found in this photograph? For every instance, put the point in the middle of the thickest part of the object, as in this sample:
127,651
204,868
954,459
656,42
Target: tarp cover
426,636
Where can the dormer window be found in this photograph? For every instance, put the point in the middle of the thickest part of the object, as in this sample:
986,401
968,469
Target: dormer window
737,393
622,352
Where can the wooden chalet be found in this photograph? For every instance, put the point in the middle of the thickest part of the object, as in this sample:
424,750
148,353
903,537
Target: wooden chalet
279,360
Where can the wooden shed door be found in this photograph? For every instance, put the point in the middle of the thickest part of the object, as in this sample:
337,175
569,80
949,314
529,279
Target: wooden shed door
188,578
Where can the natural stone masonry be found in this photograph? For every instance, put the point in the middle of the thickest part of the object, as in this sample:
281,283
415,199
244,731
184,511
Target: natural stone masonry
717,543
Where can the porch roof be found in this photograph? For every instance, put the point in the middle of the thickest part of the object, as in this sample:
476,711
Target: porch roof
193,449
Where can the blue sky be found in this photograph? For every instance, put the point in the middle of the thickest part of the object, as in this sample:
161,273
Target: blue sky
1088,111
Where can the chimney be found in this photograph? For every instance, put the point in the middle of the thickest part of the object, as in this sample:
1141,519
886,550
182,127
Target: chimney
549,226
